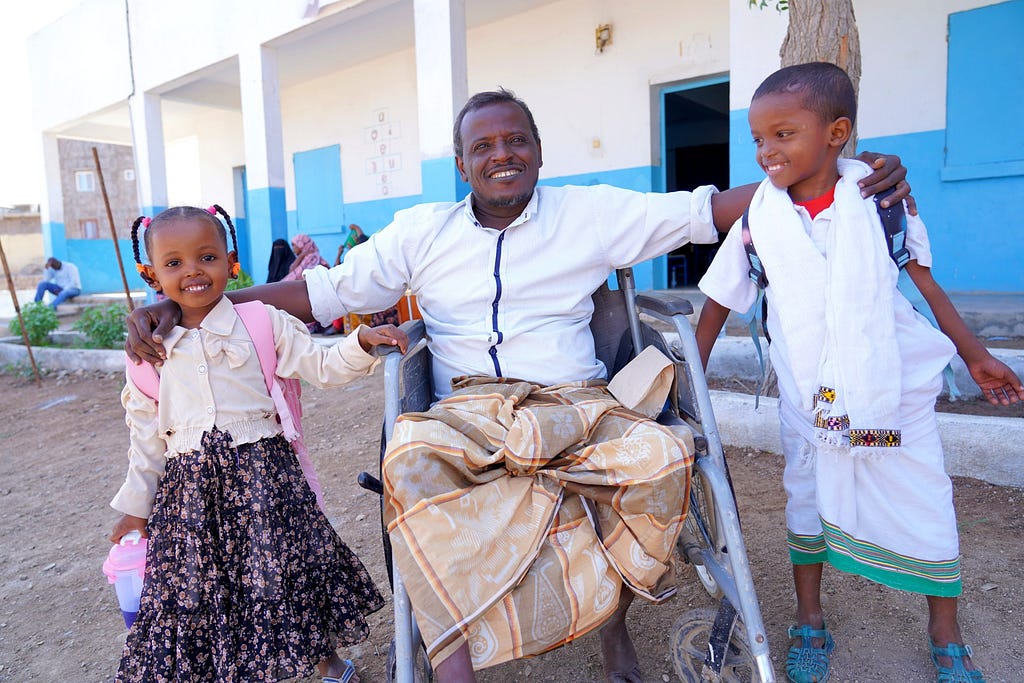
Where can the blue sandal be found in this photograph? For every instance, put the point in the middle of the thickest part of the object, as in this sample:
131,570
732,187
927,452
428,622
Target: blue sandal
806,663
957,673
346,675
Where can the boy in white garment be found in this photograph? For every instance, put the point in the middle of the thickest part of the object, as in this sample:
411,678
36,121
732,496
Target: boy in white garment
859,370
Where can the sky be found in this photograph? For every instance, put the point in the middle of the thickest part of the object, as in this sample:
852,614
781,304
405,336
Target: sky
21,165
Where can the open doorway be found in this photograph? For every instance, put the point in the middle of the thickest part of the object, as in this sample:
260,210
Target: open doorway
695,151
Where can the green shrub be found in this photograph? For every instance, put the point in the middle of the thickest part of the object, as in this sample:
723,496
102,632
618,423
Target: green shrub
103,326
244,280
40,321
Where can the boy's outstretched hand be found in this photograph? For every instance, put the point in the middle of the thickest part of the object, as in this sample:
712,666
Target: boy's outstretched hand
387,335
999,384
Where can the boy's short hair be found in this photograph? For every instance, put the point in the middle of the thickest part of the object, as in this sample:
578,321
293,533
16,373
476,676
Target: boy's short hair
826,89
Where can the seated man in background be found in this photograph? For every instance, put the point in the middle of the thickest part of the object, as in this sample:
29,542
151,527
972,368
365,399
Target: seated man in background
60,279
525,512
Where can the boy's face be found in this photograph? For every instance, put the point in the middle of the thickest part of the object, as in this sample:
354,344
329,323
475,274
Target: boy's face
795,147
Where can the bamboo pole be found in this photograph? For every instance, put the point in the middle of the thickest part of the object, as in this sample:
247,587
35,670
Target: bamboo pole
113,230
17,309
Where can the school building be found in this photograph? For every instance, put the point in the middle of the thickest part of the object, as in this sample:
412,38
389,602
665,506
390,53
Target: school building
308,115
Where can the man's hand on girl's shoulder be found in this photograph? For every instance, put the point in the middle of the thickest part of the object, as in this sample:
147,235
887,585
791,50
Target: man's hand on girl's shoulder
147,328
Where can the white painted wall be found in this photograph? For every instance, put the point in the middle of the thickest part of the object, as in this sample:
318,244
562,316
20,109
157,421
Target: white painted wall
548,57
341,108
79,64
199,172
200,33
903,58
608,94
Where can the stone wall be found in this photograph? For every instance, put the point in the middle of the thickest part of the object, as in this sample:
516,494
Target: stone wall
85,215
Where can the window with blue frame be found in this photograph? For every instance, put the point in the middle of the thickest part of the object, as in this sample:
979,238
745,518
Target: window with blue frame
985,93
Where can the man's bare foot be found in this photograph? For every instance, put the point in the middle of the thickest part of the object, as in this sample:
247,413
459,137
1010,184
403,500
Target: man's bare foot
621,664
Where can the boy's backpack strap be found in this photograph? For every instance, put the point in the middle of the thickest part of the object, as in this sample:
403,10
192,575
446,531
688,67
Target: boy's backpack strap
145,377
894,225
760,308
756,273
256,319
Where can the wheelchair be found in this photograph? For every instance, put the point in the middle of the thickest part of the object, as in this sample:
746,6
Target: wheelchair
728,644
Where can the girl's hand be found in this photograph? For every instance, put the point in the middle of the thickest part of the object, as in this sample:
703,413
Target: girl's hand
388,335
999,384
128,523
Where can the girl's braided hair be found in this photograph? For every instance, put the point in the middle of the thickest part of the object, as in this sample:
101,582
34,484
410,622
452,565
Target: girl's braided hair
176,212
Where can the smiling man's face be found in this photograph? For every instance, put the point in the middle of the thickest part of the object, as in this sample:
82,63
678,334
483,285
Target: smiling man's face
501,160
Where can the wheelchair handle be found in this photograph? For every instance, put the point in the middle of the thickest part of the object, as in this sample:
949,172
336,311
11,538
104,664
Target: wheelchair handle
664,303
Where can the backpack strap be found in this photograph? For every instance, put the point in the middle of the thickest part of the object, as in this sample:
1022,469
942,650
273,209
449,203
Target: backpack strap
256,319
756,273
760,307
287,393
894,226
145,377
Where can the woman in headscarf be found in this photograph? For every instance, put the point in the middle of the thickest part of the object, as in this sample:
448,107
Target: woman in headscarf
307,255
281,259
356,236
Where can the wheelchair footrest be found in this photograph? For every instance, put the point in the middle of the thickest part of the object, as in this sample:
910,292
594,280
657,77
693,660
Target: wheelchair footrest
721,633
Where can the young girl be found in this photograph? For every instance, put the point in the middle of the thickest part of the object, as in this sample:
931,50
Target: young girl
246,579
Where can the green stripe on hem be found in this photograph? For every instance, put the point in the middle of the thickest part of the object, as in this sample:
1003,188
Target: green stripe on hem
805,549
885,560
897,580
797,557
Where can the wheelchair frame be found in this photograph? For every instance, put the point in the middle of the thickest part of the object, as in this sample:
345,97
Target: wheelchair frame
711,540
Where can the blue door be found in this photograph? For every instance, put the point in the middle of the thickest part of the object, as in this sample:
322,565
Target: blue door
319,206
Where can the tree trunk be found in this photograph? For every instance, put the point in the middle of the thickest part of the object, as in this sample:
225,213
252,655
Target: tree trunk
824,31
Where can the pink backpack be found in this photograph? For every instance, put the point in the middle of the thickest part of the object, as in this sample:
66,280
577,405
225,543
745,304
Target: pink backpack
287,393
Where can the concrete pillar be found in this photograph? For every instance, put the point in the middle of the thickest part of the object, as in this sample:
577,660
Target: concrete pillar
148,148
267,218
51,210
442,88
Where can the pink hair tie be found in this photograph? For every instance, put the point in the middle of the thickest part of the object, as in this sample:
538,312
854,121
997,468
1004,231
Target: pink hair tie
212,210
145,222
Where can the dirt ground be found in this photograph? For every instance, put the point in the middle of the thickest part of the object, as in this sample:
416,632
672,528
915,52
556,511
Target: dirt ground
62,458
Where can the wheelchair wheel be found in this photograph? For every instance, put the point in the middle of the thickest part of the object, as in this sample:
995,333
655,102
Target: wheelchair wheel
701,527
421,670
689,646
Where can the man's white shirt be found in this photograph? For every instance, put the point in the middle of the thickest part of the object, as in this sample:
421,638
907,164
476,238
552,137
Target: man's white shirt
515,302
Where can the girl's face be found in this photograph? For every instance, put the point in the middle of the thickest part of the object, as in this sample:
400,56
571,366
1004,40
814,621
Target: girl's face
190,265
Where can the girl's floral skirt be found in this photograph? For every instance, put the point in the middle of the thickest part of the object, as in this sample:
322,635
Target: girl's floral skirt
245,578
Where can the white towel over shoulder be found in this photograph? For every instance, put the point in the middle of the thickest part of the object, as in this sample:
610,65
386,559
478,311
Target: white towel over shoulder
835,311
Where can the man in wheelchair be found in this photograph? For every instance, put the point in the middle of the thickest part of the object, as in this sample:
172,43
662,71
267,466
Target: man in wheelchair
522,512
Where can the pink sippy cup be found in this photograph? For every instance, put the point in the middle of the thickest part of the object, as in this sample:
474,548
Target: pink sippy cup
125,567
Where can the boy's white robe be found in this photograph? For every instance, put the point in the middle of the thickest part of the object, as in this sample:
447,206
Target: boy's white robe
888,517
